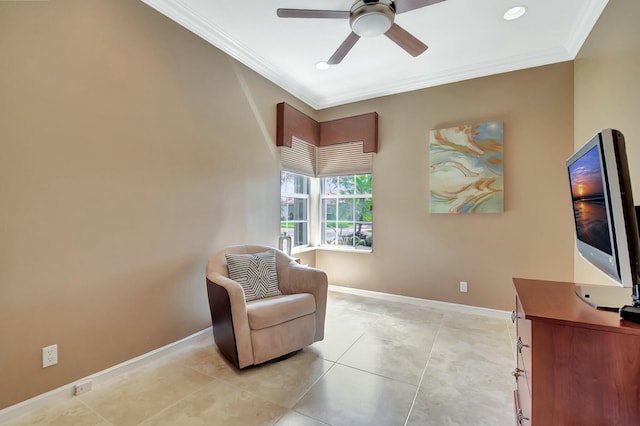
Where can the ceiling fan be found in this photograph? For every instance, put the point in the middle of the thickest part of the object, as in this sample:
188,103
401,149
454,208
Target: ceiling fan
369,18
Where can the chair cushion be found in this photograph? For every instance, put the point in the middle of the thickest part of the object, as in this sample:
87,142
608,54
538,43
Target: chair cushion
256,273
271,311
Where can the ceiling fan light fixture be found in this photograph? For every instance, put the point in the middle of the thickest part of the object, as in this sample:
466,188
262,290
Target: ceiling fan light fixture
323,65
371,19
367,18
515,13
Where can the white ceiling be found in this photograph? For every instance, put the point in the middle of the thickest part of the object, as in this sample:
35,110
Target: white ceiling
466,39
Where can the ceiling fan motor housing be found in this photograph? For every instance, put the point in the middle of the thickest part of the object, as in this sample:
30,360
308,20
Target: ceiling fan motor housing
371,18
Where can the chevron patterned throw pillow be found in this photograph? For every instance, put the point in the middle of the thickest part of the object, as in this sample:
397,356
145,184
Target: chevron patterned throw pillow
256,273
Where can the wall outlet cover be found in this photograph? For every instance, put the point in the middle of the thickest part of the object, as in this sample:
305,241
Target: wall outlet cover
49,356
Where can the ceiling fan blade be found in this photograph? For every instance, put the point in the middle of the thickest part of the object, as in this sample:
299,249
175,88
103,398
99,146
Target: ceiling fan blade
344,48
402,38
308,13
403,6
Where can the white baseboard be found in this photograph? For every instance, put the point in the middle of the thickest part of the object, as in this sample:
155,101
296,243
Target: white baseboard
494,313
66,391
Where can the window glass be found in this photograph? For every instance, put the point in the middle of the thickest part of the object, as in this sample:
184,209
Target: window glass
329,208
330,186
345,209
363,184
346,185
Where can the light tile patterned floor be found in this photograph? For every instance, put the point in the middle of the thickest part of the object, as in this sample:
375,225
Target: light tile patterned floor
381,363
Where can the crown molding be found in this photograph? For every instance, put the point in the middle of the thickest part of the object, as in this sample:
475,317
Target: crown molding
581,31
179,11
513,63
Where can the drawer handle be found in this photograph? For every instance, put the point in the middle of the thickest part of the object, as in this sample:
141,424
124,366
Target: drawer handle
521,345
517,373
522,417
513,316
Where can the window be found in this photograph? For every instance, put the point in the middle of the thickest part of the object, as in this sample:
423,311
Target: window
294,208
346,219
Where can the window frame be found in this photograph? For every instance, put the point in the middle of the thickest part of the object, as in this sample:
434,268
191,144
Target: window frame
353,222
296,195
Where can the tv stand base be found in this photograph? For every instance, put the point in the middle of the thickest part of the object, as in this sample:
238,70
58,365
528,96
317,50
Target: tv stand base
630,313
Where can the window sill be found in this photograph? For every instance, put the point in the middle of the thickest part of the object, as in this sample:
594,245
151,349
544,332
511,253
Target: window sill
305,249
329,248
345,250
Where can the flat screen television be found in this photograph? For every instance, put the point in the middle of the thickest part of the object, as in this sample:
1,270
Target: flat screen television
606,228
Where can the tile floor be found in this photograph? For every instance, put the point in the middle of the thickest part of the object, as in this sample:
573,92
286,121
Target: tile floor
381,363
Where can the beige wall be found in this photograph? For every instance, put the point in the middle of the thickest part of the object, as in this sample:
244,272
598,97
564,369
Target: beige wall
607,94
426,255
131,149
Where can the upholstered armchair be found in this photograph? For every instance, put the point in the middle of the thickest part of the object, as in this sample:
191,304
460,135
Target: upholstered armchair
253,321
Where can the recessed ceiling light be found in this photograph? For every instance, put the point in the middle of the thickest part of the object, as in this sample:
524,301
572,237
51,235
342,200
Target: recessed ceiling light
323,65
515,13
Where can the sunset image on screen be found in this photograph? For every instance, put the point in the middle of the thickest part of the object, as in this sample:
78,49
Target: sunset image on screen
589,203
586,176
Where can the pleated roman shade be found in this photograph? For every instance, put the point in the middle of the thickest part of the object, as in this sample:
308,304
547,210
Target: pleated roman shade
344,159
301,158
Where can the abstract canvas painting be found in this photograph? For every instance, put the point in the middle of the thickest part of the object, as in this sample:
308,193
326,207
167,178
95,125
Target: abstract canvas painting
466,173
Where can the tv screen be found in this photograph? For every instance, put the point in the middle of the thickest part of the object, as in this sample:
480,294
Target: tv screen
605,219
589,203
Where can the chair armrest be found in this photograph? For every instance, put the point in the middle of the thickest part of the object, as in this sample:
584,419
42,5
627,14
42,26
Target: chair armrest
239,317
295,278
234,289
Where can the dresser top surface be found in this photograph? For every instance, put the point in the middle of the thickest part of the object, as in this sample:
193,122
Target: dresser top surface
558,302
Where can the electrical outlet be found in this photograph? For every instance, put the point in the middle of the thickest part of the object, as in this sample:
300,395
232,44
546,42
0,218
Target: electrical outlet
464,287
49,356
82,387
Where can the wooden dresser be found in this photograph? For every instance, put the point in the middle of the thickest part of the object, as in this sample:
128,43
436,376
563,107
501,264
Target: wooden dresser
575,365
